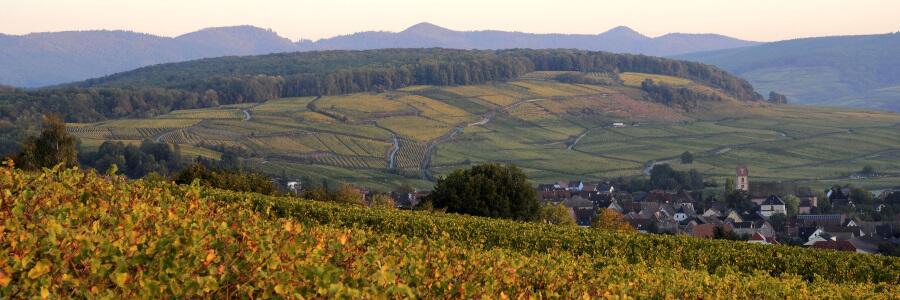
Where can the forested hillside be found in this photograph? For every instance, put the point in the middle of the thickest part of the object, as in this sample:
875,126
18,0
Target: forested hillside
210,82
857,71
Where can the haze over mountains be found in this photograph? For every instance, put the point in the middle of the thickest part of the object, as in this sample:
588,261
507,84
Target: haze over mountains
856,71
42,59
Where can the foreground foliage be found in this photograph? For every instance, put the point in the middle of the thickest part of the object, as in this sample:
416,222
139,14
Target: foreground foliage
66,233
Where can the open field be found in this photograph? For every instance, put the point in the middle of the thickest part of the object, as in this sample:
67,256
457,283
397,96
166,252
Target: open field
554,131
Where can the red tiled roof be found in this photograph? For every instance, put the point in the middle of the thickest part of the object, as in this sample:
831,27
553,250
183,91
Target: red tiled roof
707,230
835,245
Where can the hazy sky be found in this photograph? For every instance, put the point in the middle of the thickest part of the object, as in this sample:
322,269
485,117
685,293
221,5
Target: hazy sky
763,20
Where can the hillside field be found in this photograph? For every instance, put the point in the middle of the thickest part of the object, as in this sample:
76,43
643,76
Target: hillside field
553,130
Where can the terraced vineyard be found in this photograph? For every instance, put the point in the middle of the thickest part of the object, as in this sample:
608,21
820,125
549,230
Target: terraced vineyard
162,240
554,131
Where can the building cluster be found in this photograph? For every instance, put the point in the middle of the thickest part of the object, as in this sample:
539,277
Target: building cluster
671,212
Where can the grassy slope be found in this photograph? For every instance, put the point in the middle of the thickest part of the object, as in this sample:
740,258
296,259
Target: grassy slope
530,122
73,234
841,70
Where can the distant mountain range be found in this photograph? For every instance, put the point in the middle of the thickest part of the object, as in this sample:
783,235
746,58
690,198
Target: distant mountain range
857,71
620,39
42,59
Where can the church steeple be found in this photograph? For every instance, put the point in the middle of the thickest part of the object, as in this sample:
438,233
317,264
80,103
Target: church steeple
742,182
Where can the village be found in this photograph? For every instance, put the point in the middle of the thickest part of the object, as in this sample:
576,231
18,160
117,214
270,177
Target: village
774,212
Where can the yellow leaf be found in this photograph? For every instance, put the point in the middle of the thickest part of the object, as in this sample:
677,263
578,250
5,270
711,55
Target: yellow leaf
39,269
279,289
44,293
120,279
4,279
210,255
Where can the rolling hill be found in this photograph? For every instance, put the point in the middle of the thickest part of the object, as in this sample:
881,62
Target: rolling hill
382,118
857,71
43,59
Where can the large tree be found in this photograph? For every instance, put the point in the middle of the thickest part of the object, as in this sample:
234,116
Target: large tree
791,204
54,146
490,190
556,215
611,220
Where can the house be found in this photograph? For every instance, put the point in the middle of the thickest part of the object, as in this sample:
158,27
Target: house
890,197
575,186
293,187
766,228
606,187
820,220
840,197
816,235
864,245
733,217
680,215
758,238
642,224
584,216
404,200
618,124
845,246
615,206
772,205
744,228
808,200
658,196
842,233
682,197
712,212
708,230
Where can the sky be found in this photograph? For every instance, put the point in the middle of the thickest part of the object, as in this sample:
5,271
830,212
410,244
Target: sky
759,20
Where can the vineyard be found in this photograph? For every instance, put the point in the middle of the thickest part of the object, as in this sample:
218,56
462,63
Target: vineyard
531,122
70,234
352,162
410,154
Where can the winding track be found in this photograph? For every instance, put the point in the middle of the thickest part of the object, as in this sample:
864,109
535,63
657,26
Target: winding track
392,158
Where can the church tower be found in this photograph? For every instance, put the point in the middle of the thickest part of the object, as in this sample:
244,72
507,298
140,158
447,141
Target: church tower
742,182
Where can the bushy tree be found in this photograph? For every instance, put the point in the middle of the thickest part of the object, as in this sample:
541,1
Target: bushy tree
382,201
662,176
778,221
868,170
611,220
556,214
777,98
227,179
135,161
54,146
490,190
687,157
739,200
729,185
791,204
861,196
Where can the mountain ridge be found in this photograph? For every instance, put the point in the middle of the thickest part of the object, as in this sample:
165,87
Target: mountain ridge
51,58
854,70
